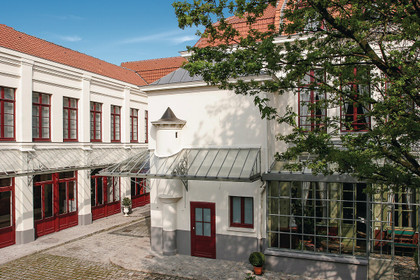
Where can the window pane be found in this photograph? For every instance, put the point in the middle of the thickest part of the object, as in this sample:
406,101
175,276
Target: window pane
9,93
37,203
45,132
73,103
199,228
206,229
5,213
236,210
206,215
198,214
8,108
62,198
73,134
48,200
45,112
248,218
45,99
35,97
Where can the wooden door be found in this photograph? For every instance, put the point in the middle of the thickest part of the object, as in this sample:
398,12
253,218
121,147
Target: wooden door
203,229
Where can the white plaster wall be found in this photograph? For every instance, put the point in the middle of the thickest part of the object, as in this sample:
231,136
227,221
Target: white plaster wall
214,118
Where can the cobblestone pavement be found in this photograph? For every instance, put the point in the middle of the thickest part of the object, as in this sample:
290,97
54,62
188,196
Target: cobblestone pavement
45,267
405,268
114,248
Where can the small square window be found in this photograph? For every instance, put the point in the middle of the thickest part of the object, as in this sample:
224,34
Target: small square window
241,212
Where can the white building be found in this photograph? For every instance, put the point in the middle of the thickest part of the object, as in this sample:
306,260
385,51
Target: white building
63,115
217,192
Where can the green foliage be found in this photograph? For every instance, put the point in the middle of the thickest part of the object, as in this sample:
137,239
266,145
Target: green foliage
378,38
126,202
257,259
249,277
416,258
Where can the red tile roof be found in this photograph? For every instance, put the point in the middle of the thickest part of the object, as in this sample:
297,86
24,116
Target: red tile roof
271,16
21,42
154,69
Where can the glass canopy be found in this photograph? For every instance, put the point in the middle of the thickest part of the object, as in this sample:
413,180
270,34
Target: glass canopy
224,164
14,162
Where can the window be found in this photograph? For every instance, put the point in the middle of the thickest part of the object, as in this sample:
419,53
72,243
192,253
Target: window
312,109
115,123
69,119
134,120
7,113
138,186
405,208
318,217
146,125
354,110
41,110
241,212
95,122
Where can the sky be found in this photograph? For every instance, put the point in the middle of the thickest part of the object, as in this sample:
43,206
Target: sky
112,30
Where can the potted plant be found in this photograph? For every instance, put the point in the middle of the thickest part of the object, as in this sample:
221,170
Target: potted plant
257,259
126,203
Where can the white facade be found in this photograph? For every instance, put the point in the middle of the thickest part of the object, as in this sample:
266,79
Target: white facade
27,74
214,119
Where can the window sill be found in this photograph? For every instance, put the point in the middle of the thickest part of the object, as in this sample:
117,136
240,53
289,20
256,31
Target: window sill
241,229
316,257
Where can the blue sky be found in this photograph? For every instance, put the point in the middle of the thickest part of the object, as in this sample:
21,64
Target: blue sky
111,30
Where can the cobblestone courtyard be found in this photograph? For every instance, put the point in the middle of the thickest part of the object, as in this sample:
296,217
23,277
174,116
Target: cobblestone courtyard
123,252
45,266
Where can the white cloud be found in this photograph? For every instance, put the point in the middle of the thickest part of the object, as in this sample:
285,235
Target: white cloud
182,39
174,37
70,38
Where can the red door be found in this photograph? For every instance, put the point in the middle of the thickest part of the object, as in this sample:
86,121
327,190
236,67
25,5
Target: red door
203,229
139,194
55,202
105,196
7,212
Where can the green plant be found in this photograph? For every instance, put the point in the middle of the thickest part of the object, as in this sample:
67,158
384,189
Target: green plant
126,202
249,277
416,257
257,259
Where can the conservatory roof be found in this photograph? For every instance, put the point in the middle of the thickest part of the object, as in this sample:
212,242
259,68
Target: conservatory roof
279,172
223,164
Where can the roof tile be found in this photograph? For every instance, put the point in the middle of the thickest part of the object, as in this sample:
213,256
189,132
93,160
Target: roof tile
154,69
21,42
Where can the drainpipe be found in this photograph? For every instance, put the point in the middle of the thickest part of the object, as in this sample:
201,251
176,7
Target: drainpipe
260,234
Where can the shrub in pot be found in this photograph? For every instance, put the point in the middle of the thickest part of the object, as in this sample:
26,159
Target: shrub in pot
257,259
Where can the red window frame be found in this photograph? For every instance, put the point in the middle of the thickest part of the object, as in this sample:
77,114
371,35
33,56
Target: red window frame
146,122
115,123
70,106
3,124
317,120
43,101
242,223
134,130
95,110
354,116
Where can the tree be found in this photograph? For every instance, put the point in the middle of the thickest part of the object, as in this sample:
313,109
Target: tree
357,57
